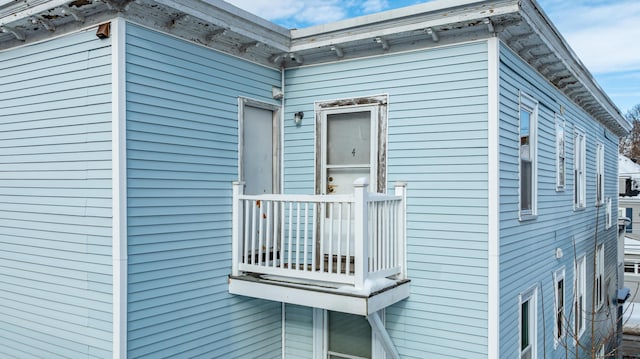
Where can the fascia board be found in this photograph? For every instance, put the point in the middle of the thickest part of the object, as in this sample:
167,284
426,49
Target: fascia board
409,19
550,36
239,22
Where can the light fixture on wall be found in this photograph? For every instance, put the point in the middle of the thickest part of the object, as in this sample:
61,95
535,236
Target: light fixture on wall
297,117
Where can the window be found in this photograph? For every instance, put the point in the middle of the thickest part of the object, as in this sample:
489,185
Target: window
528,322
599,174
559,324
579,177
528,143
629,214
608,218
560,155
631,268
599,273
580,298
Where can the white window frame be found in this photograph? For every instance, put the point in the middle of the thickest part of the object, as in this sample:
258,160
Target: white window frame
529,104
580,298
599,276
559,326
599,174
530,295
579,169
608,219
561,154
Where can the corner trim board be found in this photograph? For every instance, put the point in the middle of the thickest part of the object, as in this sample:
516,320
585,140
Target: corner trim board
493,325
119,188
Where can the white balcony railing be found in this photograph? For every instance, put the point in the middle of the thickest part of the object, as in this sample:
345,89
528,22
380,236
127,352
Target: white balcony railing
340,239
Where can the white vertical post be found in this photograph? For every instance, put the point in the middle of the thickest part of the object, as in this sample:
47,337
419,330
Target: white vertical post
237,221
361,265
401,190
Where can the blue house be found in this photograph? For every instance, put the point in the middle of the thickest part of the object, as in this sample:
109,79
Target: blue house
184,179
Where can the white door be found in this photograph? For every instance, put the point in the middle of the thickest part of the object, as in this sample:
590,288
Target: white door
259,159
349,148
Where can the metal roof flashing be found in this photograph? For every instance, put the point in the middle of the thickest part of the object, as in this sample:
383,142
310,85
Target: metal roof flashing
520,24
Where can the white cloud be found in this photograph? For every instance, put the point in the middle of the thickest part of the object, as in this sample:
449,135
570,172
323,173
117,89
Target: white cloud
373,6
603,34
270,9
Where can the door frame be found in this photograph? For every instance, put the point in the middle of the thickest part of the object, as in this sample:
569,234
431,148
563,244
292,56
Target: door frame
320,323
276,141
377,104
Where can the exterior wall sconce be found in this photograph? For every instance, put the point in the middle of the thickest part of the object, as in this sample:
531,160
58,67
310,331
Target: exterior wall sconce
297,117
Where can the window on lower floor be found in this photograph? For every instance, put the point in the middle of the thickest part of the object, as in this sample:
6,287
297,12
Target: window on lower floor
559,324
528,322
599,273
580,296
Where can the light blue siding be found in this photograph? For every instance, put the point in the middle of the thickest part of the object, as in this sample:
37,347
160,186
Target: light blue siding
298,332
527,248
182,155
437,142
55,199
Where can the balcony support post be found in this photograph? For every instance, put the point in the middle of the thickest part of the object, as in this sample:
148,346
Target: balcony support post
361,235
401,191
381,332
237,223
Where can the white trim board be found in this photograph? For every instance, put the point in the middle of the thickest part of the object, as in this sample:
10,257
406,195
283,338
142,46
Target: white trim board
119,188
493,310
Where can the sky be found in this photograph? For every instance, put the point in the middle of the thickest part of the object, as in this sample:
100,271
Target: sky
605,34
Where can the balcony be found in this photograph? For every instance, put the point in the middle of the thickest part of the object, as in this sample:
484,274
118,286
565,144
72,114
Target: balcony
344,253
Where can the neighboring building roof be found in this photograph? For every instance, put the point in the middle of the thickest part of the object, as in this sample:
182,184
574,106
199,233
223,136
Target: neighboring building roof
520,24
627,168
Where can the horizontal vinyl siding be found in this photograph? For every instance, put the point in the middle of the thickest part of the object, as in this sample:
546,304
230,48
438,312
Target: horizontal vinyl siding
298,332
527,248
55,199
437,142
182,155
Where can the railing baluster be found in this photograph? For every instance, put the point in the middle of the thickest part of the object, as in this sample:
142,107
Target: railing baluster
305,250
339,259
323,215
282,234
290,233
314,209
261,232
267,234
247,228
330,260
274,233
298,235
349,253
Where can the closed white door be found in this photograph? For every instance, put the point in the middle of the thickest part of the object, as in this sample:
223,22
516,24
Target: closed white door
259,155
348,149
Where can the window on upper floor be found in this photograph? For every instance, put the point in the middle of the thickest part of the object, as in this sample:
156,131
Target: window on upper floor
528,324
608,218
580,300
579,175
599,174
560,155
559,324
599,273
528,119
